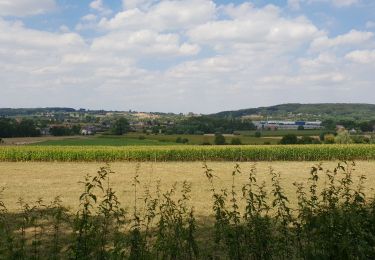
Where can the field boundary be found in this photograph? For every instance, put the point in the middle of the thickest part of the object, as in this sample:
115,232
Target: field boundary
189,153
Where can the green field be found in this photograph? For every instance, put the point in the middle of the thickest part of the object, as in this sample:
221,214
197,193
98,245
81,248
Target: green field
315,132
134,139
189,153
105,141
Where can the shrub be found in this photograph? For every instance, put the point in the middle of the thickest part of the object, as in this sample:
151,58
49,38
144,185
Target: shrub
236,141
343,137
329,139
219,139
258,134
322,134
301,127
289,139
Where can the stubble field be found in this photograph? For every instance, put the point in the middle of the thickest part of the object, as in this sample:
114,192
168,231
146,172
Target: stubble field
34,180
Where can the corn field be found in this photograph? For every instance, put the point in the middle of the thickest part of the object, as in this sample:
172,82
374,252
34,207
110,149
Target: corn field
189,153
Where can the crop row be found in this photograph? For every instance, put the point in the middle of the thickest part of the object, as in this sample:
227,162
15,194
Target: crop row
189,153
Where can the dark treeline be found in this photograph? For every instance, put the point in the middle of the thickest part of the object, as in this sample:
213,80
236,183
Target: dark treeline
32,111
208,124
365,126
65,131
13,128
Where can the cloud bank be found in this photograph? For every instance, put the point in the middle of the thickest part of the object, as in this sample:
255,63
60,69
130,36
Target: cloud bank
180,56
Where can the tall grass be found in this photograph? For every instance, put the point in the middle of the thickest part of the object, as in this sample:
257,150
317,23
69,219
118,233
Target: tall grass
189,153
333,219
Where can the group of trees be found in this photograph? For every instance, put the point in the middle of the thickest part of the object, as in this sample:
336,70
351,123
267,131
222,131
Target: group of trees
209,124
293,139
65,130
364,126
13,128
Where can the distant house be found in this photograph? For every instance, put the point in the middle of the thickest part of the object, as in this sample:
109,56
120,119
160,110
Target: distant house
340,127
45,131
88,130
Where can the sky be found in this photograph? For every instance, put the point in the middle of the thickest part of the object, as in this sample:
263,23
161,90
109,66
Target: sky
185,55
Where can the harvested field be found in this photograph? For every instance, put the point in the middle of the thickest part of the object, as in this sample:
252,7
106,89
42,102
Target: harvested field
32,180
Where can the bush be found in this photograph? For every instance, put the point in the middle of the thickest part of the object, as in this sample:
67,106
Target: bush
120,126
323,134
141,137
329,139
236,141
358,139
289,139
301,127
258,134
308,140
343,137
219,139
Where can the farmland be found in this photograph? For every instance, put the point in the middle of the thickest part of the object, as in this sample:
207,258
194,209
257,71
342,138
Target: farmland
62,178
142,139
189,153
203,211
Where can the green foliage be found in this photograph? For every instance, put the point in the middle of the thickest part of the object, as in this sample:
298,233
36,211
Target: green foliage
343,137
331,222
210,124
289,139
258,134
235,141
64,130
188,153
181,140
301,127
13,128
334,112
329,139
120,126
219,139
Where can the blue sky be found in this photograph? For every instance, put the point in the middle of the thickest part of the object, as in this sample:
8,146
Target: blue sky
185,55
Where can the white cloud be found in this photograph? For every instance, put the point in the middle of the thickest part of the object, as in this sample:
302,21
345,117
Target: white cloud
99,6
143,43
141,4
184,56
342,3
87,22
362,56
254,28
351,38
294,4
165,15
25,7
370,24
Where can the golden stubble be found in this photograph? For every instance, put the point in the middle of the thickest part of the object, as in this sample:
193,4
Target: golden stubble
34,180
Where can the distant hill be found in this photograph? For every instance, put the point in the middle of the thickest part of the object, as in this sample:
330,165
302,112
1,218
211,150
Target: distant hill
322,111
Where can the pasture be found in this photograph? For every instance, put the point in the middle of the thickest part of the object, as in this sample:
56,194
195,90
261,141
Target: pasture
152,139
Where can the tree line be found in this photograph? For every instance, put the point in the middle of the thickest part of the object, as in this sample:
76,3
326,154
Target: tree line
14,128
